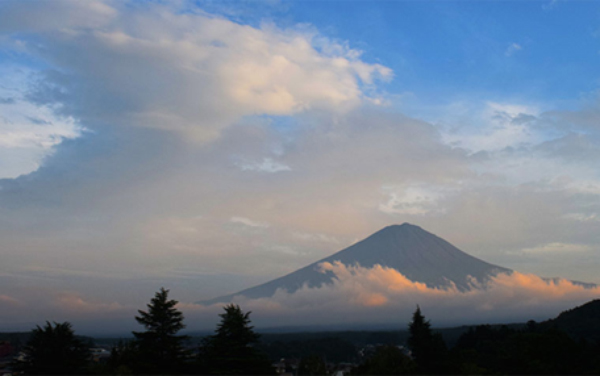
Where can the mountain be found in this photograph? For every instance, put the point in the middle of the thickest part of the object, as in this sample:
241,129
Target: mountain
417,254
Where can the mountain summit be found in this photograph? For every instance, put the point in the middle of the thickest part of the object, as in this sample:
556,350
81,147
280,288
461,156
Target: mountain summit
417,254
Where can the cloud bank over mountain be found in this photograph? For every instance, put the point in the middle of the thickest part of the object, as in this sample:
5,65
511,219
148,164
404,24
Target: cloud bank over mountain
383,296
390,272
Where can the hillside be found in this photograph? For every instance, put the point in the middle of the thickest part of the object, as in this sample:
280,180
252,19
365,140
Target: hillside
581,322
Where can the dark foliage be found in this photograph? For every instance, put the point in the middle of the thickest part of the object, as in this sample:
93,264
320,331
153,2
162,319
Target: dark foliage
428,348
232,349
312,365
124,358
159,349
331,349
16,339
55,350
387,360
531,351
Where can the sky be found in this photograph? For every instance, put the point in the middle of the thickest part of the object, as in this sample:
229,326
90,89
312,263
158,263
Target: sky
208,146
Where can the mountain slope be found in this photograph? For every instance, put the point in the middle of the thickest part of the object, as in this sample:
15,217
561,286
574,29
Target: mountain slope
414,252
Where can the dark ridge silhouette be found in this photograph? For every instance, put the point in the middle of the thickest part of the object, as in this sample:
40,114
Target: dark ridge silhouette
581,322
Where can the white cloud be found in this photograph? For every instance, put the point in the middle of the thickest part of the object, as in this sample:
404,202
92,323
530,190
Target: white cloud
248,222
557,248
29,133
493,127
316,237
267,165
583,217
415,199
550,5
512,49
152,66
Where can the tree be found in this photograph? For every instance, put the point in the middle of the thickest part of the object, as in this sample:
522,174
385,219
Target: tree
123,358
160,349
231,349
428,349
54,350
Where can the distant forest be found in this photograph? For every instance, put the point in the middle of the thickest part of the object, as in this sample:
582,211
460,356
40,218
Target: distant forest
567,344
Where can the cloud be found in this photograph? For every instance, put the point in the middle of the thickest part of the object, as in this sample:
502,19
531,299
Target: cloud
495,126
415,199
267,165
29,133
75,303
156,203
56,16
381,295
192,73
512,49
316,237
550,5
40,304
9,300
249,223
558,248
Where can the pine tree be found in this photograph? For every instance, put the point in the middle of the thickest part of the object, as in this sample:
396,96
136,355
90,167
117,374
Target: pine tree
428,349
160,349
420,334
231,350
54,350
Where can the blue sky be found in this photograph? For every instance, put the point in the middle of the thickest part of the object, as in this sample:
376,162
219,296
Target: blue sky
441,50
208,146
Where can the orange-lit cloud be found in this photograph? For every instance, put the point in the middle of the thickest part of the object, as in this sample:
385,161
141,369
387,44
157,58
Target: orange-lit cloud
383,295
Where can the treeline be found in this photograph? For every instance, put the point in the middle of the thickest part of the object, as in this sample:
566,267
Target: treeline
535,349
55,350
235,348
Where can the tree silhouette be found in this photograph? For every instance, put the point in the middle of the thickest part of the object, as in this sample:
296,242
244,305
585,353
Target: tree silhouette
160,349
54,350
231,349
428,349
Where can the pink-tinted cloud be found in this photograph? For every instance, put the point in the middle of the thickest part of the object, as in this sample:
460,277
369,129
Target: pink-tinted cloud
75,303
9,301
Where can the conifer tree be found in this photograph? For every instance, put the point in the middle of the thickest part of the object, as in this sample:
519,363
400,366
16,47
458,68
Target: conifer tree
160,348
231,350
428,349
54,350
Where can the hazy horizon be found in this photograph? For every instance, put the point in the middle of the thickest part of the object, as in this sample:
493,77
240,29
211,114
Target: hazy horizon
208,147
